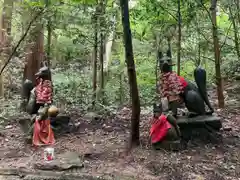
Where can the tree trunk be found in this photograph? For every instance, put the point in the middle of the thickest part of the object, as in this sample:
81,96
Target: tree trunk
110,40
7,15
170,50
108,52
34,53
49,36
101,60
5,32
179,39
217,55
235,31
131,74
49,40
157,68
121,88
102,5
95,56
237,2
122,73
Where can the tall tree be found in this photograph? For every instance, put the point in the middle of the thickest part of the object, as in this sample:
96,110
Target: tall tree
102,6
95,56
49,34
179,38
5,32
34,52
131,73
235,31
7,15
213,9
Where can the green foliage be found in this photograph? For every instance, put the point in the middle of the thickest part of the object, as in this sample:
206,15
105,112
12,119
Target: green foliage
72,87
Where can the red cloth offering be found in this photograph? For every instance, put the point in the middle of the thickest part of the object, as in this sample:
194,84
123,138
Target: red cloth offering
159,129
43,133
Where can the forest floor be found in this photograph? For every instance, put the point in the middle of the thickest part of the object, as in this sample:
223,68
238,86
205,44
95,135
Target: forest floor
104,142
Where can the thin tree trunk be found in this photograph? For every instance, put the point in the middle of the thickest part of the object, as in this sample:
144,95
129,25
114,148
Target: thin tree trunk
5,32
7,15
169,52
49,40
235,31
217,55
199,45
179,39
131,74
110,40
49,36
101,52
95,56
121,88
157,68
101,61
237,2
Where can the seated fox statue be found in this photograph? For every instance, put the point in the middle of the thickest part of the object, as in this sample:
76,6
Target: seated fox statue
178,90
41,94
39,100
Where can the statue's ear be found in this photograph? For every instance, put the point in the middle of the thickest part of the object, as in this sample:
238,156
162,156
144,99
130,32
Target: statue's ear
154,105
160,55
169,53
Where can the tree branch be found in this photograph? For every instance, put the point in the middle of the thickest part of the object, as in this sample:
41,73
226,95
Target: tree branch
164,9
20,40
204,7
225,40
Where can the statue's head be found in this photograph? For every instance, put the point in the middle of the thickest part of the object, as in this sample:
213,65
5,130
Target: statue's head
43,72
157,110
165,61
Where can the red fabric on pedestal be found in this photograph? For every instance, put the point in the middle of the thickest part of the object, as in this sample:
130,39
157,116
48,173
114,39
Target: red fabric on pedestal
159,129
43,133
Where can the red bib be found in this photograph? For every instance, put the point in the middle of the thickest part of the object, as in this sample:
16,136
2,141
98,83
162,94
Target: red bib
43,133
159,129
182,80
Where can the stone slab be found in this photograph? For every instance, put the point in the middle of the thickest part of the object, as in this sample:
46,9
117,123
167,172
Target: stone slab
212,121
62,162
185,119
177,145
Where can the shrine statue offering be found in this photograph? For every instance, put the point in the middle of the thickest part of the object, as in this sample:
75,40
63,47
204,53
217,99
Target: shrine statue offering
178,90
41,94
39,105
45,117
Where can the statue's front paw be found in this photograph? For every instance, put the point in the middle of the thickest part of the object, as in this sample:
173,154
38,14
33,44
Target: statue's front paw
210,112
191,115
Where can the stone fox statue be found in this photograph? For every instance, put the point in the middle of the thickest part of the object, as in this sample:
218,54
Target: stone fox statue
178,90
39,95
